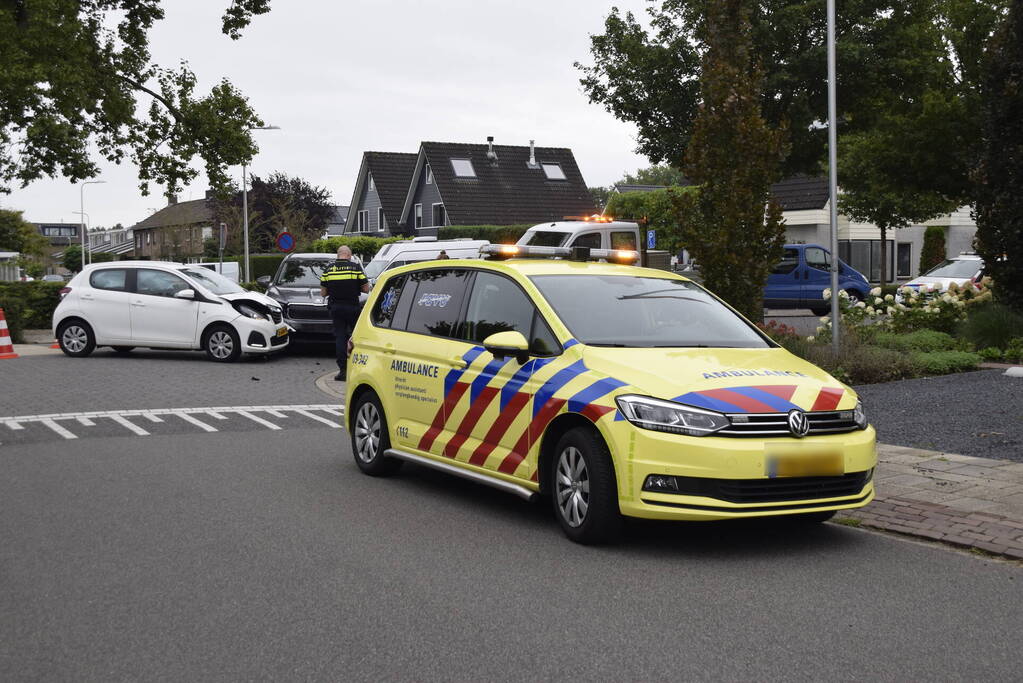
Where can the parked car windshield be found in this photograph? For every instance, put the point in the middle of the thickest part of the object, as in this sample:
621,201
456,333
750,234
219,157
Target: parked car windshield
302,273
955,268
621,310
212,280
374,268
547,238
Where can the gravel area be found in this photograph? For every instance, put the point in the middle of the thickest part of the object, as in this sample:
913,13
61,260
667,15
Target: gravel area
974,413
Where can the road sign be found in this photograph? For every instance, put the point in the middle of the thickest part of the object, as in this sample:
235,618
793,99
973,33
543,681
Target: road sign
651,239
223,236
285,242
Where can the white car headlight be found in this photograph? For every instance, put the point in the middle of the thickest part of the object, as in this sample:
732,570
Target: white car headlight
860,415
671,417
250,312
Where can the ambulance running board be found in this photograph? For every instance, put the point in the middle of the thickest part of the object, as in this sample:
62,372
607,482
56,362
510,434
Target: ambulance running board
500,484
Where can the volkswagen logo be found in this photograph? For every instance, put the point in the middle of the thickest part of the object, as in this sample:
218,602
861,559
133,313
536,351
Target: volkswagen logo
799,426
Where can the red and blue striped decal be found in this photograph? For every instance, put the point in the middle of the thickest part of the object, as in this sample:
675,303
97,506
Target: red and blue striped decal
486,374
584,398
454,375
513,385
828,399
555,383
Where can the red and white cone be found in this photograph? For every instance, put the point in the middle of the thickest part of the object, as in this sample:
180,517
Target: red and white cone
6,347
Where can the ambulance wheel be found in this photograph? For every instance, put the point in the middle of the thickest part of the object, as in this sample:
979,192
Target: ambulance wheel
583,488
76,338
370,438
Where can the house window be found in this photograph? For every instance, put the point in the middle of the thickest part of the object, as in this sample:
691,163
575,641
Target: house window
553,171
419,216
904,259
429,175
380,218
439,216
362,221
372,185
865,257
463,168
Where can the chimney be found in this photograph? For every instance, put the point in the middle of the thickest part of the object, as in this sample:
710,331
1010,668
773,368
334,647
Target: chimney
491,154
532,157
172,199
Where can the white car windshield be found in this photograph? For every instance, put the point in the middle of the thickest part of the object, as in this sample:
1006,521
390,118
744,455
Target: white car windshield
645,312
959,268
547,238
212,280
374,268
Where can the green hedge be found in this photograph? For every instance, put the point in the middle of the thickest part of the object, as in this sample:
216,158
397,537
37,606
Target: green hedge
29,305
498,234
945,362
920,340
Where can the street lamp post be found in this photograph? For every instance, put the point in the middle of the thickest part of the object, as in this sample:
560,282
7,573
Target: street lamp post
833,178
245,208
81,207
88,229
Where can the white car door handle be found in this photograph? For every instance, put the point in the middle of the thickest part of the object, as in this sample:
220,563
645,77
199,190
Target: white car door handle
138,303
87,297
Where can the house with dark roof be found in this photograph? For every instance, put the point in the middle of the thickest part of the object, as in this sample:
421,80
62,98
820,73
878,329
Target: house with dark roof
336,222
176,231
806,207
449,183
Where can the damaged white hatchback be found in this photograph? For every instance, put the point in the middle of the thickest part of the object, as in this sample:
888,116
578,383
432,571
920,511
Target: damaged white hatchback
163,305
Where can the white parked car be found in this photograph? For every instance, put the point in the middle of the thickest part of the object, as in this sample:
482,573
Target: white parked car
960,270
162,305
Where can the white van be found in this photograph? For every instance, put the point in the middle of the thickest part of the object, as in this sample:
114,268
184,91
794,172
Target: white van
595,233
420,249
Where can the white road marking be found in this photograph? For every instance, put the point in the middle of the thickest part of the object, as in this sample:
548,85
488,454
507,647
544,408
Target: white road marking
324,420
259,420
215,415
152,418
275,413
13,425
128,425
57,428
86,421
198,423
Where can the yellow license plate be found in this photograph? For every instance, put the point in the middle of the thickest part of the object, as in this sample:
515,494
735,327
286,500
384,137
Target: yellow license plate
805,465
281,331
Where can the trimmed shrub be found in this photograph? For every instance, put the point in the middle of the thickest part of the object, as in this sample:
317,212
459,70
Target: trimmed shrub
29,305
1014,351
920,340
991,324
498,234
945,362
14,315
856,363
252,286
933,251
991,354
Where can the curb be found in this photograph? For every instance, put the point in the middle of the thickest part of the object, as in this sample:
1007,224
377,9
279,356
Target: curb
327,385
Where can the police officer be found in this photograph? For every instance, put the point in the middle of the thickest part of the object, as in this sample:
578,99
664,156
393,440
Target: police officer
342,282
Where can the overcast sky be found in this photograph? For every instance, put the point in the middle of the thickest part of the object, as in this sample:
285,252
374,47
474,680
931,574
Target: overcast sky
340,78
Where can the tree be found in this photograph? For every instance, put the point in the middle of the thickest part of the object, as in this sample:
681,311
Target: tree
72,259
77,76
17,234
658,174
656,208
600,196
730,224
999,173
279,203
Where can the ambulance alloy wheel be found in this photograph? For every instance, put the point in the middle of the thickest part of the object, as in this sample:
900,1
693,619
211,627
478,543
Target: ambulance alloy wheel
583,488
76,338
370,438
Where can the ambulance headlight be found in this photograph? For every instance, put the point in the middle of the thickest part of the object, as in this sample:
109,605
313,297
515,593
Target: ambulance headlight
671,417
860,416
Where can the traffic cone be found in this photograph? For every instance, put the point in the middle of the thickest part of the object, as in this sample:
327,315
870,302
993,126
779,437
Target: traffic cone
6,347
54,345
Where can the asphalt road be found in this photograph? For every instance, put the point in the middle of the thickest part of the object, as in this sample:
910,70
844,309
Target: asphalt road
266,554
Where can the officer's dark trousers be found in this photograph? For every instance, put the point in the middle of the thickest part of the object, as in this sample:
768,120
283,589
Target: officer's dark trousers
344,317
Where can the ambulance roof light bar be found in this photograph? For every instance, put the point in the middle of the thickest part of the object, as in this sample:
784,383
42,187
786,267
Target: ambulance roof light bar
506,251
593,218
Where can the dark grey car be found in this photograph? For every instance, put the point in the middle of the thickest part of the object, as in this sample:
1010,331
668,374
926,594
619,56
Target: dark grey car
296,287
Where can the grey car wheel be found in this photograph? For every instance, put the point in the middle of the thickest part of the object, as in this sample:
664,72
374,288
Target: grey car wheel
573,486
370,438
581,484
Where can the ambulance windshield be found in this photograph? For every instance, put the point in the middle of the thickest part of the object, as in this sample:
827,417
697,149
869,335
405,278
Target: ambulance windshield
645,312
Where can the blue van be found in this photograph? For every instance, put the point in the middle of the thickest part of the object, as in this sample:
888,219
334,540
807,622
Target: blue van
802,275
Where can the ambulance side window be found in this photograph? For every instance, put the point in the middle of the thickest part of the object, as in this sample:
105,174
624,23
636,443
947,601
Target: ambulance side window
387,302
497,304
435,306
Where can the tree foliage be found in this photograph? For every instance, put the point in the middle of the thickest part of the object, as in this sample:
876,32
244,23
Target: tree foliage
77,79
657,174
17,234
933,251
657,208
999,174
732,226
277,204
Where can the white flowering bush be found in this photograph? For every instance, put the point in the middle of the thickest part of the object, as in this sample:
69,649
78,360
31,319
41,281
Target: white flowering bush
914,309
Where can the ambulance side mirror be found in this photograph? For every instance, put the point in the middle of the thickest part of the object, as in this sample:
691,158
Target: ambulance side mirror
505,344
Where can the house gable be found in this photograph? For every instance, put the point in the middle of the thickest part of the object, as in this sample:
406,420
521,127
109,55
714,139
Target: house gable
391,174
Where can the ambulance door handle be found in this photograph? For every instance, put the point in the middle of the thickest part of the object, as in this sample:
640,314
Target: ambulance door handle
389,348
458,363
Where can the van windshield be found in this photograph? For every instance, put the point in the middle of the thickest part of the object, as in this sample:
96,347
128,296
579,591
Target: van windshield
955,268
645,312
547,238
374,268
